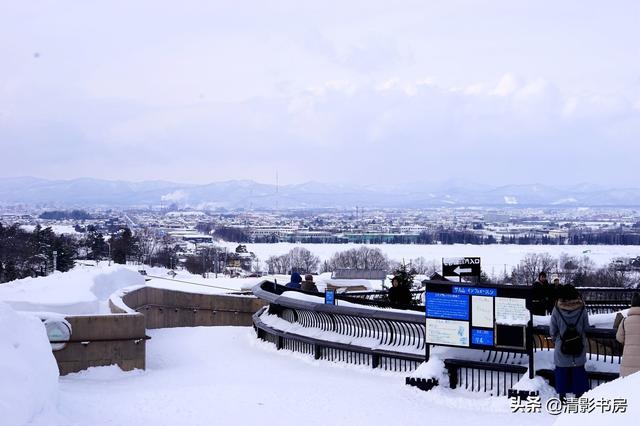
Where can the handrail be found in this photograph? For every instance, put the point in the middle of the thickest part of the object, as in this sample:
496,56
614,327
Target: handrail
405,331
329,344
261,292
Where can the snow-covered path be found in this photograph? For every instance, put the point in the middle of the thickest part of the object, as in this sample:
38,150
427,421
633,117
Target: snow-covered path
223,375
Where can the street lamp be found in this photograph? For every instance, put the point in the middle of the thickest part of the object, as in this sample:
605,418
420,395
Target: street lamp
109,245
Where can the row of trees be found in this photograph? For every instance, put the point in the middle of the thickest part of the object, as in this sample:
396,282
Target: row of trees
64,215
579,271
30,254
630,236
302,260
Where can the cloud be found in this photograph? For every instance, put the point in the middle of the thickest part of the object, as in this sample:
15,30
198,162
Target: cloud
507,86
198,92
174,196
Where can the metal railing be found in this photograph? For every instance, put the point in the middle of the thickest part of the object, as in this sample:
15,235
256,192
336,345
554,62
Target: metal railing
476,376
601,343
388,328
404,334
599,300
334,351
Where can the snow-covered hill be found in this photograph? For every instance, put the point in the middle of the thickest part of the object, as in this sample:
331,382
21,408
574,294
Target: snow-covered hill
250,194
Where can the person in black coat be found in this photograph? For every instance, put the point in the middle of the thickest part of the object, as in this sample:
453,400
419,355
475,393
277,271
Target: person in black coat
399,295
540,295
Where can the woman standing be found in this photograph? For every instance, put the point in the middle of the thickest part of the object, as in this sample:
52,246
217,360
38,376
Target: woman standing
568,325
629,335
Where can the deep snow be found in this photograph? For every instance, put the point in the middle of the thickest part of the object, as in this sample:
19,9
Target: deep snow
28,371
223,375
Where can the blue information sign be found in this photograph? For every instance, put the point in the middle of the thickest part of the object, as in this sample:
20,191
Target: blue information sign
475,291
481,337
447,306
330,297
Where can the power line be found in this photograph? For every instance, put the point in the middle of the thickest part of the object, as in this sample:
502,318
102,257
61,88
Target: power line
192,283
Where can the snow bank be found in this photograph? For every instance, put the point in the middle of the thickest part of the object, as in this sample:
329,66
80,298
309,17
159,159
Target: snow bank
323,282
87,288
626,387
536,384
83,290
28,371
432,369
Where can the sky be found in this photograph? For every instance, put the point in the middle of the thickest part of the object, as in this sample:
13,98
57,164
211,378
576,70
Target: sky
498,92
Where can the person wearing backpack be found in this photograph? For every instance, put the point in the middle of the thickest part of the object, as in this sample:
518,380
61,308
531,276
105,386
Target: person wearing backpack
629,335
568,326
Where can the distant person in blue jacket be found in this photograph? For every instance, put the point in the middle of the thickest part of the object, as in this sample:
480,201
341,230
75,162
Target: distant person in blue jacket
296,279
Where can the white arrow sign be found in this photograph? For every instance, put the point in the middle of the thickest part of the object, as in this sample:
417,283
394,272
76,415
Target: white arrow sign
460,270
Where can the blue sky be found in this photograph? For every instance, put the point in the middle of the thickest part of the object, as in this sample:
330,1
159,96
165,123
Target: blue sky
354,92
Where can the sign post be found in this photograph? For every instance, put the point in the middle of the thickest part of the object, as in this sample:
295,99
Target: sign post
461,267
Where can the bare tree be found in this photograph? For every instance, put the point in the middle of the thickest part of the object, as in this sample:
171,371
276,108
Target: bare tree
148,242
359,258
302,260
532,264
278,264
423,266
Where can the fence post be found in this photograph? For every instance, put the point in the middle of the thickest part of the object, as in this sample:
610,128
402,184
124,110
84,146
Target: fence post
453,376
280,343
375,361
317,351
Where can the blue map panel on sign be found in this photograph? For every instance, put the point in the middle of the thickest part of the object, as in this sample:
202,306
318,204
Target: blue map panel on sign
330,297
481,337
475,291
448,306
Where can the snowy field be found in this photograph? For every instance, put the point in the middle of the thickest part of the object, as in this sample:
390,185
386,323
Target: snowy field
495,257
223,375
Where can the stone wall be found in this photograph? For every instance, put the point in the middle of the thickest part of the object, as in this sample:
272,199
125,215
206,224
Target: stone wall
98,340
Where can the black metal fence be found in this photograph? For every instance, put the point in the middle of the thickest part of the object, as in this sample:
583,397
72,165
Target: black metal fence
476,376
601,343
402,335
333,351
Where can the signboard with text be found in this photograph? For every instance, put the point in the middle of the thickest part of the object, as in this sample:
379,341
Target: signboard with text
477,316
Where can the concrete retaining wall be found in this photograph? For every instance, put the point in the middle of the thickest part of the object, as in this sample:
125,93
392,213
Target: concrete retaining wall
119,338
98,340
170,308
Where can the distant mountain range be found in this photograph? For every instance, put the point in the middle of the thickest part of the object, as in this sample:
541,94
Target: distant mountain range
86,192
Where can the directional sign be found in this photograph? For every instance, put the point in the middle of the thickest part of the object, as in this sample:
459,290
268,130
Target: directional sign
461,267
